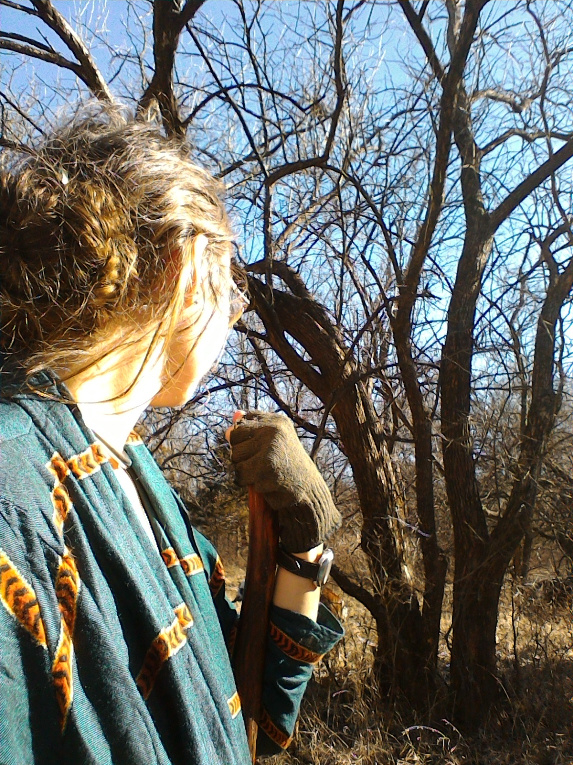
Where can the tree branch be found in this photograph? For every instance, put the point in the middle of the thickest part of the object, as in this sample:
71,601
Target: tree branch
356,591
338,66
284,272
229,100
518,104
188,11
273,391
265,304
522,191
448,105
520,133
415,22
169,19
43,55
541,415
87,71
18,7
12,145
23,115
27,40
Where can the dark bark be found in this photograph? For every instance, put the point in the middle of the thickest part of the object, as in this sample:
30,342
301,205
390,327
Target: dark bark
331,374
84,65
482,559
434,561
480,562
473,660
565,542
474,682
169,19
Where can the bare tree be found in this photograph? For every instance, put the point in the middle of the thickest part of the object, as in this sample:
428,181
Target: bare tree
399,179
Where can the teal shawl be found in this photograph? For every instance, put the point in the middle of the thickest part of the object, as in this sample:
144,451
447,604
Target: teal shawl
113,650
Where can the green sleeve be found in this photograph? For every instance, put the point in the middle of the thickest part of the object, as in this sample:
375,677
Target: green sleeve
295,645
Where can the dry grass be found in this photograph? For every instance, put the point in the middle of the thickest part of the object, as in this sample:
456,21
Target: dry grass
343,721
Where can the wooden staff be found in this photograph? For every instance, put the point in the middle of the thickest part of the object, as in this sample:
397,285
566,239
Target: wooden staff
250,647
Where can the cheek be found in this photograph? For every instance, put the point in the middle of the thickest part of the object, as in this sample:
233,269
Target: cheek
199,348
212,343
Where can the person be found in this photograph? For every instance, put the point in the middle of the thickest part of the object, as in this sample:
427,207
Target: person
117,292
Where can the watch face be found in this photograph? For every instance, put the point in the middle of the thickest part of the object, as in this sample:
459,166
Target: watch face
324,566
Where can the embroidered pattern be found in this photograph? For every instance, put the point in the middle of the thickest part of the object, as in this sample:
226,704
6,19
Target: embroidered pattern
274,733
217,578
20,600
169,557
62,673
101,454
293,649
67,589
60,497
62,506
67,584
89,462
184,616
169,641
58,467
134,439
191,564
234,705
81,465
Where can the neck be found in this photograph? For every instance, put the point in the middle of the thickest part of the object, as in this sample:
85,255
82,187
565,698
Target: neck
109,400
113,427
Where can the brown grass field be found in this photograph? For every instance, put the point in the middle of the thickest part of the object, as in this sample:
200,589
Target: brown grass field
343,720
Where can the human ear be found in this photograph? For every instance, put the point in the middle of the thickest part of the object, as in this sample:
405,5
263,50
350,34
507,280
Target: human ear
195,271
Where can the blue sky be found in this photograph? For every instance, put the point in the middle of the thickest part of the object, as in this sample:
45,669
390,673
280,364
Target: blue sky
107,25
107,20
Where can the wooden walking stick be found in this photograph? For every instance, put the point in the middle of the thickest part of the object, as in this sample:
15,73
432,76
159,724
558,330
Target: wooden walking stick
250,647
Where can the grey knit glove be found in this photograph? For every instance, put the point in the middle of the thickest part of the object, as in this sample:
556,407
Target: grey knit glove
267,455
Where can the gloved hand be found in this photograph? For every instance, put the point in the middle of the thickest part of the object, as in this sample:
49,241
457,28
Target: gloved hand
267,455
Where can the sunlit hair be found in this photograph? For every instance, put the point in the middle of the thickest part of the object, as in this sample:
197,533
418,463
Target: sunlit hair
96,225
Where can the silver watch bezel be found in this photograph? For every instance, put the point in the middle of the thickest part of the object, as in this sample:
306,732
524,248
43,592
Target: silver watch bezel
324,566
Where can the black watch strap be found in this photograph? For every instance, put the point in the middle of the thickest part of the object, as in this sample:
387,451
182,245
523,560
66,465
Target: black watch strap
318,572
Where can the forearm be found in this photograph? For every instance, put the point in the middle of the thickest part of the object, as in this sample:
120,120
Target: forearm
295,593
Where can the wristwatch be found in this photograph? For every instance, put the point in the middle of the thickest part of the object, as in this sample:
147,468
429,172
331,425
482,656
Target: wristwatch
318,572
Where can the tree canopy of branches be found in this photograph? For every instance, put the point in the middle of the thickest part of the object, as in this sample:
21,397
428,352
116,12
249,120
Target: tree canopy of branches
400,175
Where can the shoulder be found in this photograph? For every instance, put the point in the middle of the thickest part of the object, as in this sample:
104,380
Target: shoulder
25,480
14,421
20,448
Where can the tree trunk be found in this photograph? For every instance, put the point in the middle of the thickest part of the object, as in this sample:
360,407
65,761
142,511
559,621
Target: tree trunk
474,682
332,377
400,660
433,558
475,604
482,558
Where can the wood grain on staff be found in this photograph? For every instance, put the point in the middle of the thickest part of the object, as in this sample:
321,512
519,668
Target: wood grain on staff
249,656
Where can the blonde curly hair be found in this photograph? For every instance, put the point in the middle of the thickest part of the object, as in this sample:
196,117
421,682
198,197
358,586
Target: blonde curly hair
94,225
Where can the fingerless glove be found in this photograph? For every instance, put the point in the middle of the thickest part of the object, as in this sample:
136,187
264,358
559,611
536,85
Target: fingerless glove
268,455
